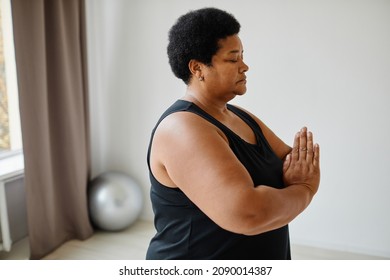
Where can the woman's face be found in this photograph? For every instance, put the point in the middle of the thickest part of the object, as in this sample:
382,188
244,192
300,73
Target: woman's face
226,77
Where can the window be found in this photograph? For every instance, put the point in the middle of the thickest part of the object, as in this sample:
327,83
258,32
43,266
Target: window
10,133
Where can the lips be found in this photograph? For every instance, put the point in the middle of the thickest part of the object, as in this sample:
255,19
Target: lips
243,80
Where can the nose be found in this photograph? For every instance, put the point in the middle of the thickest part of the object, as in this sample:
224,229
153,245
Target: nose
244,67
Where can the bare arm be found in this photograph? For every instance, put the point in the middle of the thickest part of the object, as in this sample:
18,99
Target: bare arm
196,156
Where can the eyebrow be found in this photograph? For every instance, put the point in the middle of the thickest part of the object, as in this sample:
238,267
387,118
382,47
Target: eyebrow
235,51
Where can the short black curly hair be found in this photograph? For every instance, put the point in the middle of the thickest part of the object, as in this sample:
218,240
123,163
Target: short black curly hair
195,35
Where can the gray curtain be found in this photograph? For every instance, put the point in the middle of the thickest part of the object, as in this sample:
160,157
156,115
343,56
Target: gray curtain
50,45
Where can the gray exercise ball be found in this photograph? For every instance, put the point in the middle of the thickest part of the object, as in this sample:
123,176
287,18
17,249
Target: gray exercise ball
115,201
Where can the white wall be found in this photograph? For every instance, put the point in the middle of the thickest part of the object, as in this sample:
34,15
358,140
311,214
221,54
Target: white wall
324,64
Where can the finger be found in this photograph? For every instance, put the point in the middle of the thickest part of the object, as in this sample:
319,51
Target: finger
286,163
310,148
303,143
316,159
295,151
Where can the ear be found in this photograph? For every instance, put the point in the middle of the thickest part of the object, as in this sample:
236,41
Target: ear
195,68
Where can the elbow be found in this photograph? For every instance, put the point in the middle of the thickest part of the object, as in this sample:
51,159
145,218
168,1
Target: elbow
251,224
255,225
263,212
260,221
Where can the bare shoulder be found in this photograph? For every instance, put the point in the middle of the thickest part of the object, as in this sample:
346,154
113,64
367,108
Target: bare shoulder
185,126
179,137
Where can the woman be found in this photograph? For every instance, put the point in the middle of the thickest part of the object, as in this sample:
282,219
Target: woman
224,186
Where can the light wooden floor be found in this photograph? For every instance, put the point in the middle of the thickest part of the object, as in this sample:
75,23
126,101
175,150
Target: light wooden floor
131,244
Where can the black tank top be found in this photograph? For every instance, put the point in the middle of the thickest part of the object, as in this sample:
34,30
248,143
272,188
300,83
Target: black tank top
185,232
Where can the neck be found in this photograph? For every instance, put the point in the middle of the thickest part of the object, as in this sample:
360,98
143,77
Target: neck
211,105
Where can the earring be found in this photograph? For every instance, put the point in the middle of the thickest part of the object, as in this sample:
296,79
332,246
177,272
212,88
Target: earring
201,79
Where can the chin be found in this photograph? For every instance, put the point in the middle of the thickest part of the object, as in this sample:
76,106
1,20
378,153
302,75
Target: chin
239,93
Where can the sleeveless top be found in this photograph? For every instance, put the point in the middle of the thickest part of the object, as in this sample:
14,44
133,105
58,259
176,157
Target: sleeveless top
185,232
